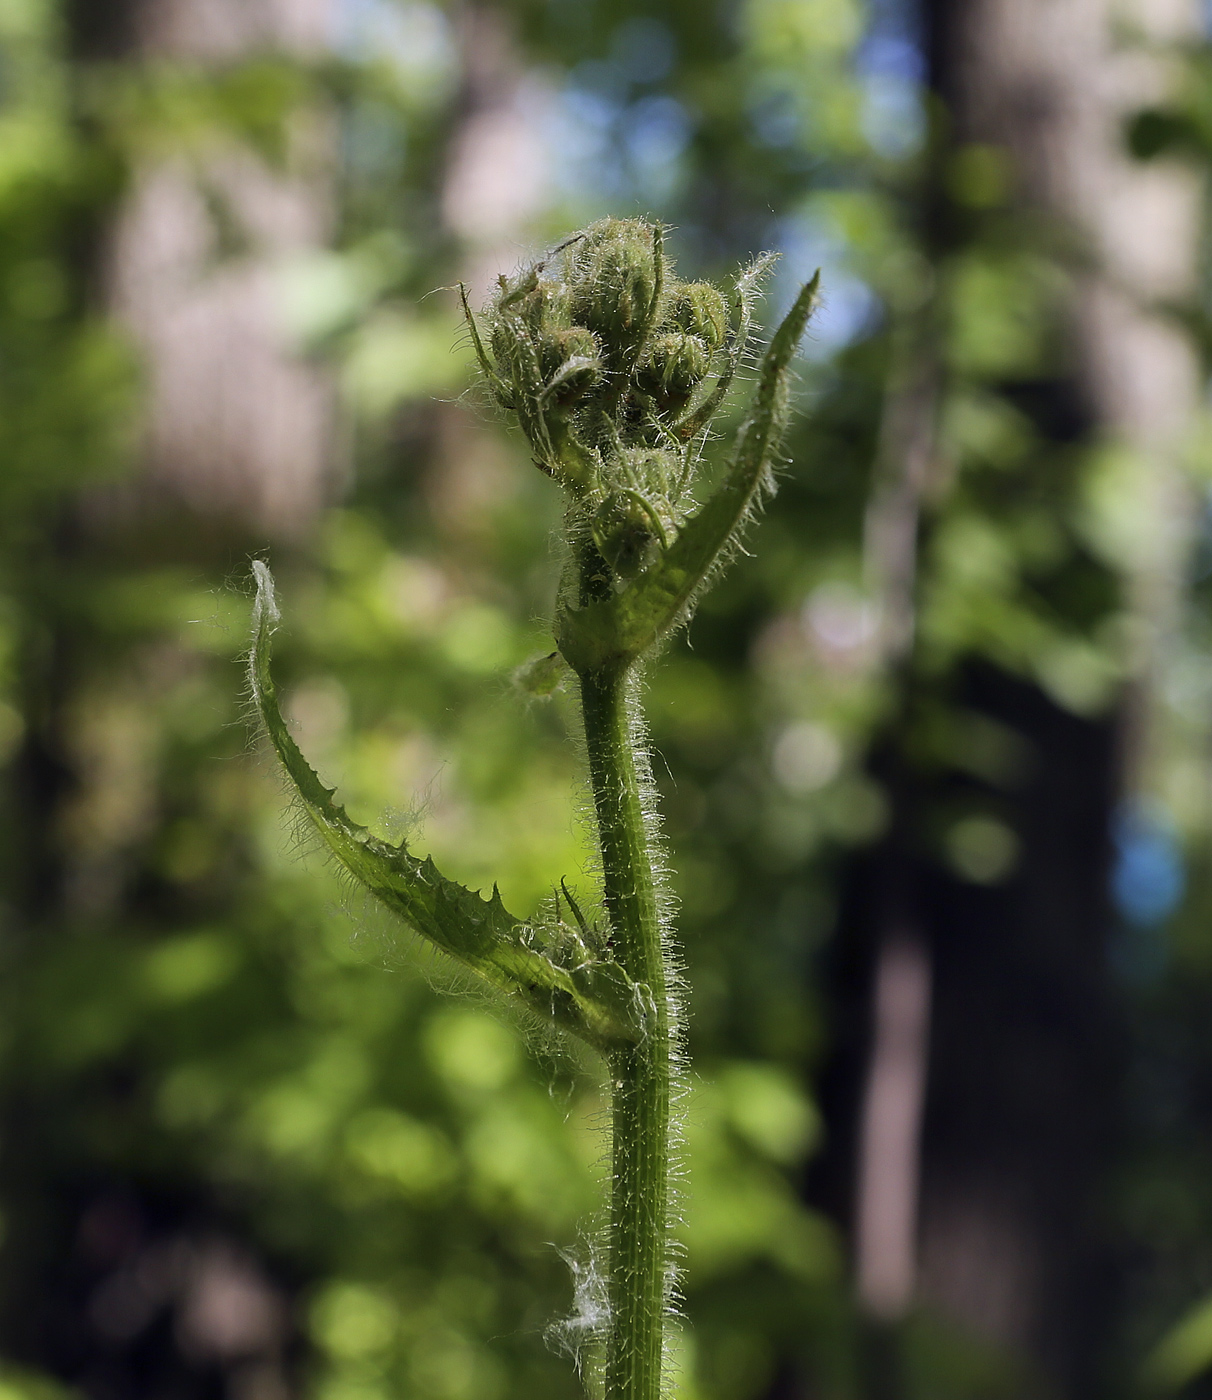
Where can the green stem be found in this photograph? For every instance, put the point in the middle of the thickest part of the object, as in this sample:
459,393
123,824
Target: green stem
639,1073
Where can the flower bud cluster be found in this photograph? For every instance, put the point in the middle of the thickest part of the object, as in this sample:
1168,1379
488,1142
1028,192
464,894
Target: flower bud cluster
607,361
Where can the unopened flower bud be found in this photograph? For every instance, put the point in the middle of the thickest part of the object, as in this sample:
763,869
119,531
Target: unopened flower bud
602,357
627,532
539,303
651,470
672,368
699,309
505,348
530,316
572,365
615,281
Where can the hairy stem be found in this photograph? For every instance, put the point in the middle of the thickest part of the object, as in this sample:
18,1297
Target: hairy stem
640,1073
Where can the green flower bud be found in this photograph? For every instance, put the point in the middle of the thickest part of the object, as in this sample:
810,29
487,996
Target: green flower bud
507,350
700,310
576,343
628,533
528,312
538,303
572,365
672,368
596,345
533,339
649,470
616,272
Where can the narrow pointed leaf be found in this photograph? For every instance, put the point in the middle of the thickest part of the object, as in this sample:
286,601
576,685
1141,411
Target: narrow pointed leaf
548,968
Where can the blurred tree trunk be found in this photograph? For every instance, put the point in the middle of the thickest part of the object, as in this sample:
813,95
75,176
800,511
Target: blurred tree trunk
1013,1135
1054,85
236,429
494,185
237,445
239,424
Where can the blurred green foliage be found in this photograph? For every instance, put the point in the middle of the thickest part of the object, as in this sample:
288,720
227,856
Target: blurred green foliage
196,1014
192,1009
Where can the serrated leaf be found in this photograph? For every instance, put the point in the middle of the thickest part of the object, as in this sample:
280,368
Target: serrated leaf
546,966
